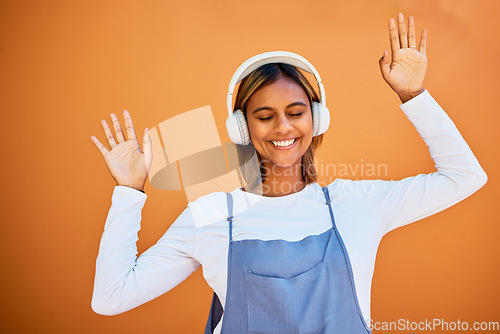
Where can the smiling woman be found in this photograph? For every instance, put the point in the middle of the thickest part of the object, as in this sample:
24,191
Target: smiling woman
300,257
276,99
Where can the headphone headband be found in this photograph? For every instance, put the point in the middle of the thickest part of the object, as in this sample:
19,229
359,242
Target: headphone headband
267,58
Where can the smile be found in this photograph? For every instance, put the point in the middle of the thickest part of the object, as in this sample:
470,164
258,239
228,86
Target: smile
284,143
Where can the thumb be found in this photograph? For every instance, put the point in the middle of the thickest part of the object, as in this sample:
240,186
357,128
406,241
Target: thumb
384,65
148,148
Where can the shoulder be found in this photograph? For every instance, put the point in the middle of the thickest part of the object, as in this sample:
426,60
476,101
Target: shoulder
208,209
367,191
347,186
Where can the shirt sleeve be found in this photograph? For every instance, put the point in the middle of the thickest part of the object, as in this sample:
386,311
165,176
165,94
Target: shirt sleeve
458,174
123,281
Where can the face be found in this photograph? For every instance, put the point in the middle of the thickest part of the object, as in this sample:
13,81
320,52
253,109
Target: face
280,122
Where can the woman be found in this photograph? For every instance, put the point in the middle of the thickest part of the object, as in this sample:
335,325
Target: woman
283,255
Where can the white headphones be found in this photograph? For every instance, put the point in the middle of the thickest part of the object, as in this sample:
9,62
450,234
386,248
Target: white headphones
236,124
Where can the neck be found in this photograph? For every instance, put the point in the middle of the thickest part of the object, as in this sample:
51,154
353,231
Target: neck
282,181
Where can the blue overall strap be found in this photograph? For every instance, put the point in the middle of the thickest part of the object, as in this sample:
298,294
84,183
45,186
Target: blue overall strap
230,215
216,309
328,201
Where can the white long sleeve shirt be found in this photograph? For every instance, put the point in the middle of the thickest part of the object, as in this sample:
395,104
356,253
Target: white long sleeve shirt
364,212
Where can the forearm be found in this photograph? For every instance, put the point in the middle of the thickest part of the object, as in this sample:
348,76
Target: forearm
117,250
123,281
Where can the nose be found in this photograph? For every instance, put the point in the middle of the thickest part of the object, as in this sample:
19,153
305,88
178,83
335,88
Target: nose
282,124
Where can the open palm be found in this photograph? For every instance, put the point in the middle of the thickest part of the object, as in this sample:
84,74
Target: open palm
127,163
406,72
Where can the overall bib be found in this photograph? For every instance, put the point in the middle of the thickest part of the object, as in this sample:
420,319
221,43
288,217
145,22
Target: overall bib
288,287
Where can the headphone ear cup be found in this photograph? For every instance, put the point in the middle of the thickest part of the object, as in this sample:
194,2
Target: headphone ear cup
321,118
237,128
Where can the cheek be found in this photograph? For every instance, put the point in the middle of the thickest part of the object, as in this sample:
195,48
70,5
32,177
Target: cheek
307,125
251,126
256,129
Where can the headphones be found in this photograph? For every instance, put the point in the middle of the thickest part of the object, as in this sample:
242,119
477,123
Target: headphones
236,124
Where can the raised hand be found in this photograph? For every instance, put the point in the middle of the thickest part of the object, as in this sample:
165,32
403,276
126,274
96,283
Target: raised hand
406,72
128,165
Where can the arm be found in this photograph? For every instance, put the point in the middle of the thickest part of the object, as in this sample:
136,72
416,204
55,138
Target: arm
458,174
123,281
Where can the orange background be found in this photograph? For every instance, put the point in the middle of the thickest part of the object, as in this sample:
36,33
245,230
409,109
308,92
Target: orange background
65,65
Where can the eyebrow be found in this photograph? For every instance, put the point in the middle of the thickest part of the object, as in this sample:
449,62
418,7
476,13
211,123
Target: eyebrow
298,103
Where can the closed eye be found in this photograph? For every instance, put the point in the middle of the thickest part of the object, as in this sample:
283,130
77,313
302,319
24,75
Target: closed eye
265,119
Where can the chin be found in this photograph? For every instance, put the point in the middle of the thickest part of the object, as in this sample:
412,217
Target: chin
285,164
281,163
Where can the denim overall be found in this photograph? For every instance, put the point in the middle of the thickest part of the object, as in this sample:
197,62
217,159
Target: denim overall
284,287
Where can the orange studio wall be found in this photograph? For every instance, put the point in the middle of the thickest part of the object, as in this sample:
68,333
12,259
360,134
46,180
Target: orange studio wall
65,65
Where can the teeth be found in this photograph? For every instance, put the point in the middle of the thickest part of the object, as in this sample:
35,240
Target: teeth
284,142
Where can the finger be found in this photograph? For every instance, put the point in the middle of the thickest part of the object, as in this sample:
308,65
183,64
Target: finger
423,42
118,128
99,146
129,126
412,40
148,148
403,38
393,35
109,134
384,64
